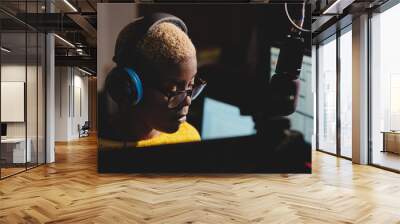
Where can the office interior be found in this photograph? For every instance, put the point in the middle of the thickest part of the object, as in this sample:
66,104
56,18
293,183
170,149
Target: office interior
373,93
45,89
48,118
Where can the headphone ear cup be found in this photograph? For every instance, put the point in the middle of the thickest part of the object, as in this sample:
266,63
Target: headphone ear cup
136,85
123,87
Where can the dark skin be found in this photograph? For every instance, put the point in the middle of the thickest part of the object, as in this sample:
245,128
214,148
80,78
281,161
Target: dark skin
152,116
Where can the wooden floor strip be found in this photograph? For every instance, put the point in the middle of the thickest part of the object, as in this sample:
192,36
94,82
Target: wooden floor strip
71,191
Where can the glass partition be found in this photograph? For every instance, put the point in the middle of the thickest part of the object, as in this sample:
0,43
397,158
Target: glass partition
22,90
14,144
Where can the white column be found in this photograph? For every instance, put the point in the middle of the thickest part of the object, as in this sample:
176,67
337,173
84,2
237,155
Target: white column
50,99
360,90
50,93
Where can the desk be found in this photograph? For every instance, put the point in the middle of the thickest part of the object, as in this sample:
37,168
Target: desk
13,150
391,141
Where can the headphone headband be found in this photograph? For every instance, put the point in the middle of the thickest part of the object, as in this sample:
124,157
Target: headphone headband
125,47
156,18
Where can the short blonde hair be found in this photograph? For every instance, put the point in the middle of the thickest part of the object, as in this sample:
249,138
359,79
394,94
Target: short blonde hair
166,43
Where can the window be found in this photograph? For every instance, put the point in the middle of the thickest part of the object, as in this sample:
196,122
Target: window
346,93
327,96
385,89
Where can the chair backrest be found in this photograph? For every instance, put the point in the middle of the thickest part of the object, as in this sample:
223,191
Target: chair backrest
86,125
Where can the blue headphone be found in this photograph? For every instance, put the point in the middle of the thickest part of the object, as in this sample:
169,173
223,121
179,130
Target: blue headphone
123,83
136,84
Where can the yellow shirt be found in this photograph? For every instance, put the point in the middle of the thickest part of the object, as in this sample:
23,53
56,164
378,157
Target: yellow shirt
185,133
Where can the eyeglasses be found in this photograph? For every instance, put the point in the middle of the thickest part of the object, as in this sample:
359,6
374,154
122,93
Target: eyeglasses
176,98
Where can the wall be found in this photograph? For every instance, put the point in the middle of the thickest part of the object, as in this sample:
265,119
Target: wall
71,102
80,112
10,73
33,127
15,72
62,81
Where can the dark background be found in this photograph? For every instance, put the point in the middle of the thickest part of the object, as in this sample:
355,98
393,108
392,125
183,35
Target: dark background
244,33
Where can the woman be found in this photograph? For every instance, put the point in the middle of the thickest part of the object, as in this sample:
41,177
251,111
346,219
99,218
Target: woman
165,60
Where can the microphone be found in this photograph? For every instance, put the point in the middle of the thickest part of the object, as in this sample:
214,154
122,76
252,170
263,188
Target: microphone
285,84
